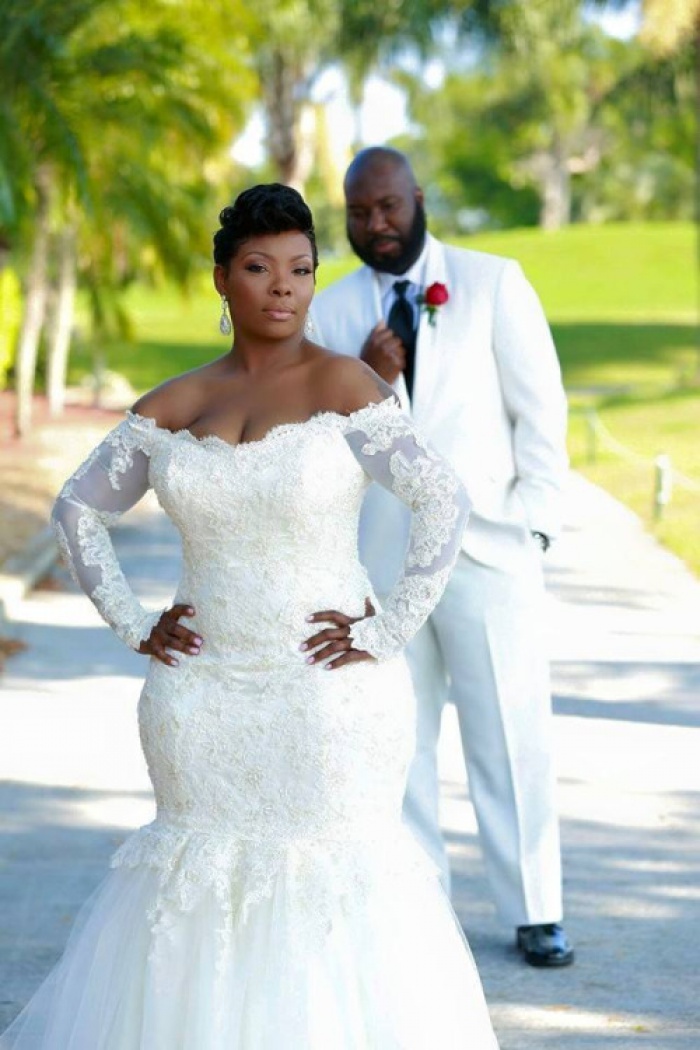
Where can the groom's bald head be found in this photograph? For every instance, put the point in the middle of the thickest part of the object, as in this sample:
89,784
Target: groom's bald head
376,162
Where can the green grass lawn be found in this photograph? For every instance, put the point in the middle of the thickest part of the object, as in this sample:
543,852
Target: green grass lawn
622,302
624,272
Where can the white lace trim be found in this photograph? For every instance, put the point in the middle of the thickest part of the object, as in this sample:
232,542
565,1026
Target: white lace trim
426,483
319,874
148,427
429,488
133,435
82,530
405,612
116,602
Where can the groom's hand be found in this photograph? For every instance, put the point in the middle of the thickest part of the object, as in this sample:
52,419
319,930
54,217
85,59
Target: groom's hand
169,634
335,641
384,352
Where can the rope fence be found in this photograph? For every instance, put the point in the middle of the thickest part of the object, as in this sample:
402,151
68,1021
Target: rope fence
665,475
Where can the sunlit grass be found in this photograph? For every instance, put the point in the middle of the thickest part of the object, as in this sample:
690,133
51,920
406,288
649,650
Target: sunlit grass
631,272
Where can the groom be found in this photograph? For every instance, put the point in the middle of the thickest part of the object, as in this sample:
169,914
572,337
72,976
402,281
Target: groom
462,338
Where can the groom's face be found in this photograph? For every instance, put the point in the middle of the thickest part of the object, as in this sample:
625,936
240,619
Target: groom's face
385,217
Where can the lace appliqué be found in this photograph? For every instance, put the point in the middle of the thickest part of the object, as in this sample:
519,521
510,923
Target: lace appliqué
319,876
113,596
65,551
390,450
431,491
110,481
134,435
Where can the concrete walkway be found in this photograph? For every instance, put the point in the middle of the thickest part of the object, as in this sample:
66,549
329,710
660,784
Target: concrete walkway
625,634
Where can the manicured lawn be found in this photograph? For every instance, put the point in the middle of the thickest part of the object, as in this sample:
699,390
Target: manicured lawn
624,357
624,272
622,301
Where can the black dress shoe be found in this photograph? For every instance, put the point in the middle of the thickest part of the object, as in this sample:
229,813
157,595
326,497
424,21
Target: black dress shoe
545,945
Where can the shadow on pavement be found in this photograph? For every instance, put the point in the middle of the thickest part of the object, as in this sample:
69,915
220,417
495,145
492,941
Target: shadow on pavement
633,910
52,857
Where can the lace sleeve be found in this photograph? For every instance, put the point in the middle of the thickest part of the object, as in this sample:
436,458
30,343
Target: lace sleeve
391,451
111,480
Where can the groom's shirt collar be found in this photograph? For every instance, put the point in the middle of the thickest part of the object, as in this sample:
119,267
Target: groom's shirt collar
415,274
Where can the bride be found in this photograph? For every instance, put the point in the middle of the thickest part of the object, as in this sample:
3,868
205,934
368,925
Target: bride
277,902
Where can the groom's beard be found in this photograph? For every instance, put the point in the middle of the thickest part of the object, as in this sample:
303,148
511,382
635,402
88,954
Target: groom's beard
411,247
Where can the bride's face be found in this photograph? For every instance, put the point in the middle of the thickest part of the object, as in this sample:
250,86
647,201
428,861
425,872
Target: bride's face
269,284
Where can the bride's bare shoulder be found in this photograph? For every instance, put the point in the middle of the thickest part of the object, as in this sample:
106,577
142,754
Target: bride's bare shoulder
346,384
176,402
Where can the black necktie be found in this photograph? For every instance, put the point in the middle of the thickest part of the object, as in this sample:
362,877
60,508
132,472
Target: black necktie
401,322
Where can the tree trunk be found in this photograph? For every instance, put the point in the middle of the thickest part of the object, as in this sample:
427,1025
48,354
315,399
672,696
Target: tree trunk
35,307
280,82
356,95
59,346
556,191
306,147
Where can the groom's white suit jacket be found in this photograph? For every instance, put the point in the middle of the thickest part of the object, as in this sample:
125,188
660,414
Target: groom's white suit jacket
487,395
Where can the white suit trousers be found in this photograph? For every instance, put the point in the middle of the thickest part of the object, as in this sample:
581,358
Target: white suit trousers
483,648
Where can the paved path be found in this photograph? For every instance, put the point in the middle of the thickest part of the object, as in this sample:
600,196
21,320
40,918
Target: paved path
625,632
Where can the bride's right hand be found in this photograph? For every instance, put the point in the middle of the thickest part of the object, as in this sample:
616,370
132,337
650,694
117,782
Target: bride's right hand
169,634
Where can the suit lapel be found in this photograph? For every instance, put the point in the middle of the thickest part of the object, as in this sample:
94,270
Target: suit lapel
427,369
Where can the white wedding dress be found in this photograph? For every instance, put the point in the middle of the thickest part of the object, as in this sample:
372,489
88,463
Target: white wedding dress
277,902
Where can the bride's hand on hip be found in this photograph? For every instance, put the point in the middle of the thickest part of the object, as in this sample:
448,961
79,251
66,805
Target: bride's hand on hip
169,634
335,641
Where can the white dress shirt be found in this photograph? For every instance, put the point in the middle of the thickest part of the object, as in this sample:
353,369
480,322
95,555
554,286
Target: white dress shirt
415,275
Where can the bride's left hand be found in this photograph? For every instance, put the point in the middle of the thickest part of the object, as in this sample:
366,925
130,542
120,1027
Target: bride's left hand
336,639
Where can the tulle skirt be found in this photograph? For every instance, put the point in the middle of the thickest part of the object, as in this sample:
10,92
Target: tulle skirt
314,961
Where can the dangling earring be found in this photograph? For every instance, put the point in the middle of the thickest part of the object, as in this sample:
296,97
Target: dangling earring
224,320
309,327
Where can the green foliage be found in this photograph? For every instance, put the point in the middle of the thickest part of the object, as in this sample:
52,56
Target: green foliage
124,104
648,127
464,158
35,120
553,120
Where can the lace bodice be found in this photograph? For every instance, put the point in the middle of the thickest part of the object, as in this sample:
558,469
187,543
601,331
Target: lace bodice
269,528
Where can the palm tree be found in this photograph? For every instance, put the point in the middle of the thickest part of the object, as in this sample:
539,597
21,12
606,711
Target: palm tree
107,134
41,147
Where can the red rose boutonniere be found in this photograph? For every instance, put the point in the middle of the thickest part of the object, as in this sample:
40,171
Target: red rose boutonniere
434,296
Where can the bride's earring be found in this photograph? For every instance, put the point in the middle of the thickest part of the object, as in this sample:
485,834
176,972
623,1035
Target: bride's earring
309,327
224,320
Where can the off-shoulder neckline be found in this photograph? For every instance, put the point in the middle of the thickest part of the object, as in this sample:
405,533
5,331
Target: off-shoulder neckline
275,431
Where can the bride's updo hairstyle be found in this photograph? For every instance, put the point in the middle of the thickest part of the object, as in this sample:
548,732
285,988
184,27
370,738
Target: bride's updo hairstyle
264,209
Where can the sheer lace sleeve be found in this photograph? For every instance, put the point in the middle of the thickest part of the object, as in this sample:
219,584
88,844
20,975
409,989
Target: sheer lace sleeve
391,451
111,480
